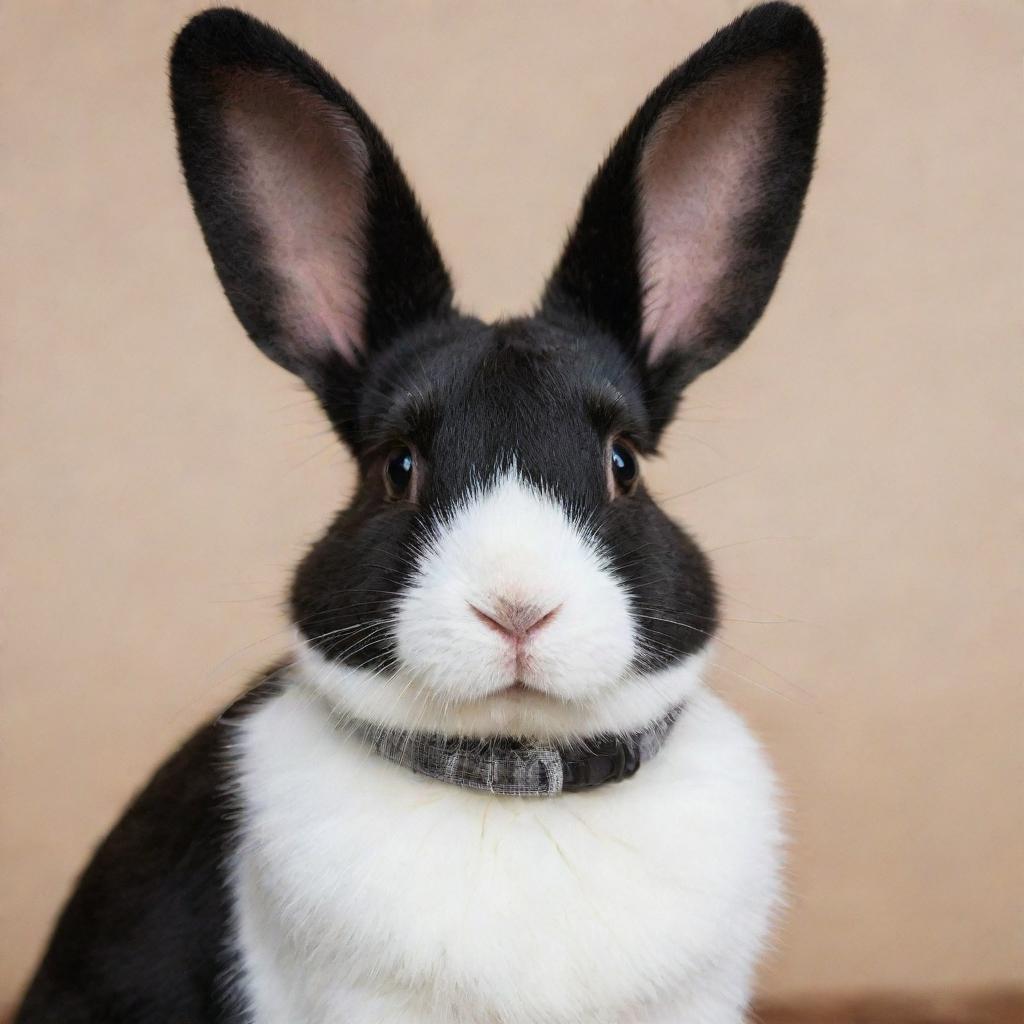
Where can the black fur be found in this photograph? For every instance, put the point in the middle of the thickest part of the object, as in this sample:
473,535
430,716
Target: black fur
598,276
146,936
406,280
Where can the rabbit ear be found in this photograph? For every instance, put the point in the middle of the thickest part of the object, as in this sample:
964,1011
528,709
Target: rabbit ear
682,233
314,231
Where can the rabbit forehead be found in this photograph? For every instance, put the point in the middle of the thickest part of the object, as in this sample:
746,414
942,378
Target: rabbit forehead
477,399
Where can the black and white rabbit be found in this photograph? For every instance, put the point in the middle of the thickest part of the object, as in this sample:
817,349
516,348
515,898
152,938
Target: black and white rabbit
415,817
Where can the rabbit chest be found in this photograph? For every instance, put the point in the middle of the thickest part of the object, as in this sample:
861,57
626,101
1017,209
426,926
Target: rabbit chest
366,894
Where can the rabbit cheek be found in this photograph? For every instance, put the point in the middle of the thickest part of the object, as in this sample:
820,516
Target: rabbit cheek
510,593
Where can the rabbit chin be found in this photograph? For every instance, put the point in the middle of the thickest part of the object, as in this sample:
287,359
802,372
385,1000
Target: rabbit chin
575,675
400,700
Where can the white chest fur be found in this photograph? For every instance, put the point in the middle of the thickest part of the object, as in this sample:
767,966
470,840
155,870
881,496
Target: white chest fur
367,895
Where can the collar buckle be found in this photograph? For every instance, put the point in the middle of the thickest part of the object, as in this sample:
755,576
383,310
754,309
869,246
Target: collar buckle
610,761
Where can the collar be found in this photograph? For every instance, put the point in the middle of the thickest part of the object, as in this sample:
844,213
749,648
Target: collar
508,767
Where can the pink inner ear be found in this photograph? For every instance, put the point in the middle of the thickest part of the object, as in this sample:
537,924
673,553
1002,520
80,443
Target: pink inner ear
304,166
698,176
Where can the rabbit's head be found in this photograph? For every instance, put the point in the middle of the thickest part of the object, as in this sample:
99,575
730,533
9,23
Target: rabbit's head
501,568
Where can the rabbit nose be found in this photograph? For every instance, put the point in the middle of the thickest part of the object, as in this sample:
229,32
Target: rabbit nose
516,619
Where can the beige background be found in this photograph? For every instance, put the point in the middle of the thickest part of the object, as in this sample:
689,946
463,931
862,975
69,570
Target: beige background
856,469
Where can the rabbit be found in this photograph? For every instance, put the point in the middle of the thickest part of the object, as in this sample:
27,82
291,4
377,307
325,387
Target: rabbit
488,784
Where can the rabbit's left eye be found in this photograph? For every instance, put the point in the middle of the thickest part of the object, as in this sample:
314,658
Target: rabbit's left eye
623,466
400,473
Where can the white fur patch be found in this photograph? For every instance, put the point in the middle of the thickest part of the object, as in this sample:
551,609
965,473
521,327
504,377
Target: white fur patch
396,701
368,895
513,543
510,542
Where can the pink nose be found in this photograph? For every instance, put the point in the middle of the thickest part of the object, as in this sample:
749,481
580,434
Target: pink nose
515,619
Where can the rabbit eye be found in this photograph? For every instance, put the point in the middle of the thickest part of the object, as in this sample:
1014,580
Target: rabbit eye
400,473
623,466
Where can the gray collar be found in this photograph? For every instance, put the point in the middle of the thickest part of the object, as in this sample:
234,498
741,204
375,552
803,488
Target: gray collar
510,767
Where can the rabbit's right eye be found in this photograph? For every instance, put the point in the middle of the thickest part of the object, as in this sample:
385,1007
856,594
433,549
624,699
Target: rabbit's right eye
400,473
623,466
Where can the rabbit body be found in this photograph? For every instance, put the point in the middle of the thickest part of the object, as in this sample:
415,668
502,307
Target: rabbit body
367,895
501,579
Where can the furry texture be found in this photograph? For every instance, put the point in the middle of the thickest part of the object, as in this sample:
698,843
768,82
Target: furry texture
144,938
393,702
505,583
513,545
749,102
372,896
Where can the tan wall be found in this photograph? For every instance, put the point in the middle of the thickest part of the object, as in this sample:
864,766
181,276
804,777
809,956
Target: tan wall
857,468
